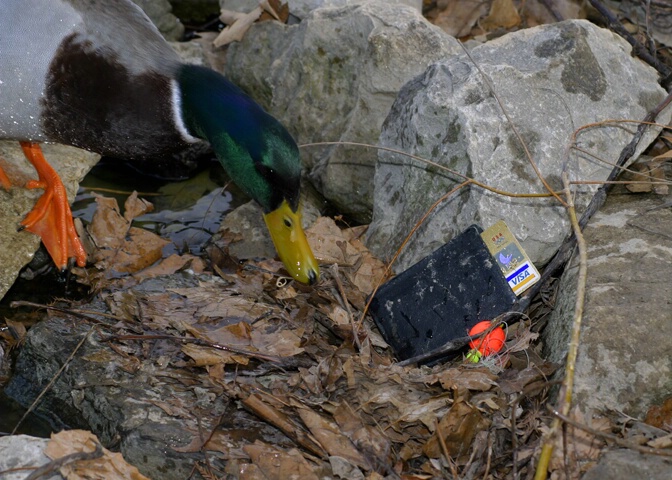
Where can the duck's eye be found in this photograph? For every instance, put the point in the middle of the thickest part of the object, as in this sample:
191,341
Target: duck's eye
288,222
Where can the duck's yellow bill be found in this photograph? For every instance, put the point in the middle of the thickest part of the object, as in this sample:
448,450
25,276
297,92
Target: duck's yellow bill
291,244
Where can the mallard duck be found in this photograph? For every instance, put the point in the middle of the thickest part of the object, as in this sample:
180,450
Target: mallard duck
98,75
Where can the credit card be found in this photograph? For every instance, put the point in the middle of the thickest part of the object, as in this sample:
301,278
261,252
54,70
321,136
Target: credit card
516,266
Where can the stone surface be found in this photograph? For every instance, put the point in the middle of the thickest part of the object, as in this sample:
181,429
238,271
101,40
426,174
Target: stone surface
625,464
552,80
624,359
18,248
160,13
302,8
334,77
23,451
138,401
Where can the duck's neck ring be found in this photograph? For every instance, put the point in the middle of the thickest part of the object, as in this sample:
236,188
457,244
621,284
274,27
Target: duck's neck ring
176,107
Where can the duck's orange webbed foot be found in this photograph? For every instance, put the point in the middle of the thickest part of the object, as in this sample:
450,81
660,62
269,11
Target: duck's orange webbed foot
51,217
4,180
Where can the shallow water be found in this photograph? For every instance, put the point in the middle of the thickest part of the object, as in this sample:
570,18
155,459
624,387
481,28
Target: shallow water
187,212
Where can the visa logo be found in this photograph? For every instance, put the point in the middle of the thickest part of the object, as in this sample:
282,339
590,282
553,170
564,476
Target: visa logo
520,277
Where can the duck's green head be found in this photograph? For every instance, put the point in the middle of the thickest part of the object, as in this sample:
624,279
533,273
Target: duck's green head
258,154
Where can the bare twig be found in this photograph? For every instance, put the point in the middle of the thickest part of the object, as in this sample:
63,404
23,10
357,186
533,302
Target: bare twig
436,165
612,438
570,364
346,303
200,342
550,6
638,49
565,251
46,471
388,267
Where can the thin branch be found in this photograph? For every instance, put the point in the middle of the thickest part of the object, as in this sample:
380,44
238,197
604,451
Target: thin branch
388,267
612,438
638,49
514,128
46,471
570,364
199,342
565,251
434,164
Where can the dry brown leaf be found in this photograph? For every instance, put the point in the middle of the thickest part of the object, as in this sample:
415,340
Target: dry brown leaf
238,25
411,406
338,315
661,442
512,381
660,416
274,10
368,274
537,13
330,437
368,439
18,331
581,445
203,356
458,427
460,16
111,466
645,173
283,343
521,341
277,464
209,300
503,14
171,265
236,335
286,293
108,227
121,247
329,244
478,379
332,245
134,207
262,406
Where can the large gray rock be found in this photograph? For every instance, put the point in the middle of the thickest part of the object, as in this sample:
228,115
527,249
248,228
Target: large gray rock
334,77
302,8
18,248
552,80
624,361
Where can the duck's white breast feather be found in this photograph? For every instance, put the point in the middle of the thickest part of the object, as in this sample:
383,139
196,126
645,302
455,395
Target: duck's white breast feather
29,37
